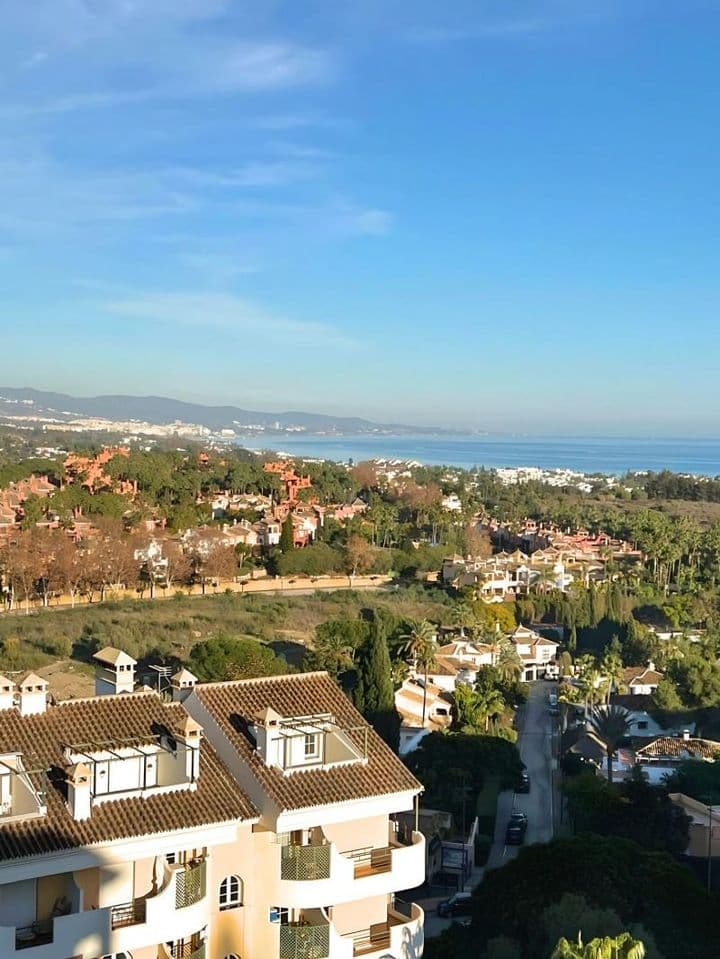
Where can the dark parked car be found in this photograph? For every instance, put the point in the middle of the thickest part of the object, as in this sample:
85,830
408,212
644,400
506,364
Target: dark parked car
516,828
523,785
514,834
458,905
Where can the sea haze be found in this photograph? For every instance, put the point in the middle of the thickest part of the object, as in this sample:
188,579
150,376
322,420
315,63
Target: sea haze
588,455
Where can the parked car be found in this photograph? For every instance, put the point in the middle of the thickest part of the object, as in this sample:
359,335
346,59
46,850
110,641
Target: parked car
514,834
518,819
552,699
523,785
458,905
554,710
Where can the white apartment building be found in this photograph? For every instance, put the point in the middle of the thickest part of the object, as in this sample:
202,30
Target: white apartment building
131,828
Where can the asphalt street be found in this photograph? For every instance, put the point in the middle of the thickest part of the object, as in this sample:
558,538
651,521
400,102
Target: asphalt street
536,744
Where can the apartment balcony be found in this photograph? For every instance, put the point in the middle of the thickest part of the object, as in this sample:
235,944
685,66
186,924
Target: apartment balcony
193,947
400,935
320,872
178,909
313,936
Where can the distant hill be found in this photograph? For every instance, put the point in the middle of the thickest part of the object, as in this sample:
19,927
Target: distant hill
163,410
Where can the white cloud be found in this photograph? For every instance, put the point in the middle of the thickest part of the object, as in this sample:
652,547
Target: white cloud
227,313
370,222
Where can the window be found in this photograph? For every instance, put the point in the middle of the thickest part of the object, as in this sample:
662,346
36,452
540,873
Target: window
231,955
312,745
171,858
642,724
279,914
231,893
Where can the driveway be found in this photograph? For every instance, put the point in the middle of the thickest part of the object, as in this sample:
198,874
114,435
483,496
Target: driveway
537,743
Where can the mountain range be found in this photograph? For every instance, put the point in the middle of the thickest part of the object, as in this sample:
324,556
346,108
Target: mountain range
163,410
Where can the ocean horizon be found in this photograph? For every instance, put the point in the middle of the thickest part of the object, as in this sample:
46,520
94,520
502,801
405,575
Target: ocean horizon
585,454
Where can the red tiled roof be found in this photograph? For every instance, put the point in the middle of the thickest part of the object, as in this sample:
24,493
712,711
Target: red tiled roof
136,718
676,747
235,705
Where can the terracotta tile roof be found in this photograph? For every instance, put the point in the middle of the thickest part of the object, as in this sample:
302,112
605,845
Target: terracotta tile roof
235,705
675,747
136,718
446,666
641,675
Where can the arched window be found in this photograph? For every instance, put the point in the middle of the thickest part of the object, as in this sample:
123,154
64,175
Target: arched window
231,893
231,956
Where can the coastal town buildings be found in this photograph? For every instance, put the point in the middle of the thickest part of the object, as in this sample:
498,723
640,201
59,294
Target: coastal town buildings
255,819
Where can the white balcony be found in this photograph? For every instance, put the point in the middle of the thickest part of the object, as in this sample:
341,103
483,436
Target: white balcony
319,872
177,910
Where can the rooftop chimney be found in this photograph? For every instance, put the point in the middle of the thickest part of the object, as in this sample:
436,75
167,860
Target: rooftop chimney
267,736
114,673
182,684
190,732
686,734
33,694
7,693
78,778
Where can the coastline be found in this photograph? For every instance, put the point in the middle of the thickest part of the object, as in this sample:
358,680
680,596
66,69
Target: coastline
589,455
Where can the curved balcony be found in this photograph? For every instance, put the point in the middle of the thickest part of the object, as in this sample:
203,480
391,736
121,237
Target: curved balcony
319,872
314,936
401,935
177,910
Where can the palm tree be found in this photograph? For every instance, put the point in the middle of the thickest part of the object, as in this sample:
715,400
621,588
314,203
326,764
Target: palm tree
464,616
507,662
623,946
490,703
612,724
612,670
545,580
336,653
419,646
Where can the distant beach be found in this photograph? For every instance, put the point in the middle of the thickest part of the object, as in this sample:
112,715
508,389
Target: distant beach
587,455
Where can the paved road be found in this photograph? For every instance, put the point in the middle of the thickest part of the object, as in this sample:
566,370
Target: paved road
538,734
536,751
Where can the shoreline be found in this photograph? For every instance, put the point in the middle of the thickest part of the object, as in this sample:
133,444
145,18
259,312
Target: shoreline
589,456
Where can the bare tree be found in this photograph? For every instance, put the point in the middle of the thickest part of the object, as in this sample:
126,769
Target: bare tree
219,562
67,565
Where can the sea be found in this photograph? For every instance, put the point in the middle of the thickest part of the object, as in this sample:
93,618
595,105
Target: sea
584,454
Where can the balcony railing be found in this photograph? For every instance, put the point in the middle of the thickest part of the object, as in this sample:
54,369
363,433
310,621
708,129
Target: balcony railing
370,860
128,913
301,863
40,933
300,941
190,885
186,950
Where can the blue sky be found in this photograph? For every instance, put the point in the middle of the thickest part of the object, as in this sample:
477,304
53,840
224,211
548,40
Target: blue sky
496,215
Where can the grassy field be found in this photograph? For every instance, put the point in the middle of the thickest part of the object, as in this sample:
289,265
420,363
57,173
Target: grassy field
166,631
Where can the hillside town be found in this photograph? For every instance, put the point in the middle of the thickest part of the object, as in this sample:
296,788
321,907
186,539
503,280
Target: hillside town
471,679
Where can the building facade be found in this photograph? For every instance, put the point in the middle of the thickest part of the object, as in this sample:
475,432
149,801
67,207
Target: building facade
247,820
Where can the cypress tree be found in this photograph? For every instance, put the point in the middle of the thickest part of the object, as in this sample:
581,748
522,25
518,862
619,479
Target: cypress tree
374,695
287,538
